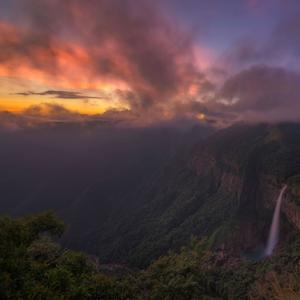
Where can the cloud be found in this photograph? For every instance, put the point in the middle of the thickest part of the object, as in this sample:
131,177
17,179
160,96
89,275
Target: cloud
286,36
59,94
280,48
53,112
130,45
258,94
262,93
51,115
45,113
135,54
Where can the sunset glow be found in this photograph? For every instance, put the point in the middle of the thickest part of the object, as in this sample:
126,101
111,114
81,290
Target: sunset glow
146,59
100,64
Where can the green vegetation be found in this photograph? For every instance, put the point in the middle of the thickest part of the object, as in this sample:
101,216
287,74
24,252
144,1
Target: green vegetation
221,193
198,273
34,266
225,187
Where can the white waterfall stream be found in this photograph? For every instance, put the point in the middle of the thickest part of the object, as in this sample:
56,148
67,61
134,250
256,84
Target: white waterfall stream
274,230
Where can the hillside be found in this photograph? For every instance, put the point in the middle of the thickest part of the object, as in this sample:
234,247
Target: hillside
225,188
34,266
130,196
190,225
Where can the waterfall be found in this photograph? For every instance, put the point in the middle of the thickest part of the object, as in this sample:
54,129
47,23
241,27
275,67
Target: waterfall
274,230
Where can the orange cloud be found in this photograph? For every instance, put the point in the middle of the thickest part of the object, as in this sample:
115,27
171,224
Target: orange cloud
53,61
103,45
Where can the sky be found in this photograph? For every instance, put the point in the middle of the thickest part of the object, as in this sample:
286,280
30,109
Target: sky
146,62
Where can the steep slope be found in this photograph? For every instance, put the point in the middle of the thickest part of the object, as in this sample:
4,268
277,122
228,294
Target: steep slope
131,195
84,172
224,189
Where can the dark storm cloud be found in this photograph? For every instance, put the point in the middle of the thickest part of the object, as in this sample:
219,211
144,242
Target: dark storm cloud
59,94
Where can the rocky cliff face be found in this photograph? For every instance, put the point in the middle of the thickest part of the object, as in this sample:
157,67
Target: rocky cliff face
253,172
292,213
289,208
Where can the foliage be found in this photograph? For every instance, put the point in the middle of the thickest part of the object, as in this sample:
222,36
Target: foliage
228,180
33,266
198,273
211,194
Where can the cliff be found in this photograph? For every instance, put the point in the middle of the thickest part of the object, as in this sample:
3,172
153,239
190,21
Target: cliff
224,189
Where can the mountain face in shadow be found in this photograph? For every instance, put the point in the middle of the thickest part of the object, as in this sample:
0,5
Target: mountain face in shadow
224,188
83,173
131,195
